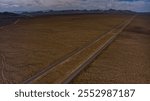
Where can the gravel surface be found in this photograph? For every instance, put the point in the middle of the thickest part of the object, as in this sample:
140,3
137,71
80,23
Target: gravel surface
126,60
35,43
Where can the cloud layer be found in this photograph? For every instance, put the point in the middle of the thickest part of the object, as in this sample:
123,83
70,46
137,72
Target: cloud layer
35,5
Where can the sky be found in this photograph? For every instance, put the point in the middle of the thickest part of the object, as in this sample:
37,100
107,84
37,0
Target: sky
37,5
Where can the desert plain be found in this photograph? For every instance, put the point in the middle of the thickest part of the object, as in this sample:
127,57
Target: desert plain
29,45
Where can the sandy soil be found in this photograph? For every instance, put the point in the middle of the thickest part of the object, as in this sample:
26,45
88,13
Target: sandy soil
32,44
127,60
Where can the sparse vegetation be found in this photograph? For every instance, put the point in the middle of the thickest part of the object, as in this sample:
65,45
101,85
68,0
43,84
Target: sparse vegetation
34,43
127,60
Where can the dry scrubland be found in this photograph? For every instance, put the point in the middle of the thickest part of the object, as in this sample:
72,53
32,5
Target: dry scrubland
127,60
34,43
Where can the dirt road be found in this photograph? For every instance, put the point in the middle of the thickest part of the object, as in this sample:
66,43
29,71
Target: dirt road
127,60
33,44
67,69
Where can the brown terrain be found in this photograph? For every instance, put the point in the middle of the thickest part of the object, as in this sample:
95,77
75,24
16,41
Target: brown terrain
30,45
126,60
48,49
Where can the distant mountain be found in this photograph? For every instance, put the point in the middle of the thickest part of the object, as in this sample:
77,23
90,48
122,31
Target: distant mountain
8,15
66,12
119,11
7,18
62,12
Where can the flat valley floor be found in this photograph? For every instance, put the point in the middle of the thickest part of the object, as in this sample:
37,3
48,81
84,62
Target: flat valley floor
126,60
32,44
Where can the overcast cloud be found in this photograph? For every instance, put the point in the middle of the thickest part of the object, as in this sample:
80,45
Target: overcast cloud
35,5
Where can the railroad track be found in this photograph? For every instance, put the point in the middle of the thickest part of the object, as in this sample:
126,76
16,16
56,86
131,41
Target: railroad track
65,69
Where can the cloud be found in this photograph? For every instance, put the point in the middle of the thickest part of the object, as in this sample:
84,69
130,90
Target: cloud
7,5
135,5
33,5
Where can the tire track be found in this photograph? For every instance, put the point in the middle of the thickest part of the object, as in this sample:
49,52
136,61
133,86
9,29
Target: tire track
3,69
63,71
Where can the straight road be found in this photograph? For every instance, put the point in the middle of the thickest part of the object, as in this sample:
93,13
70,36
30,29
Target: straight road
125,61
66,69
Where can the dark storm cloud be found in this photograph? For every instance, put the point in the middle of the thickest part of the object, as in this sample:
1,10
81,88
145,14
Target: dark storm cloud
137,5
